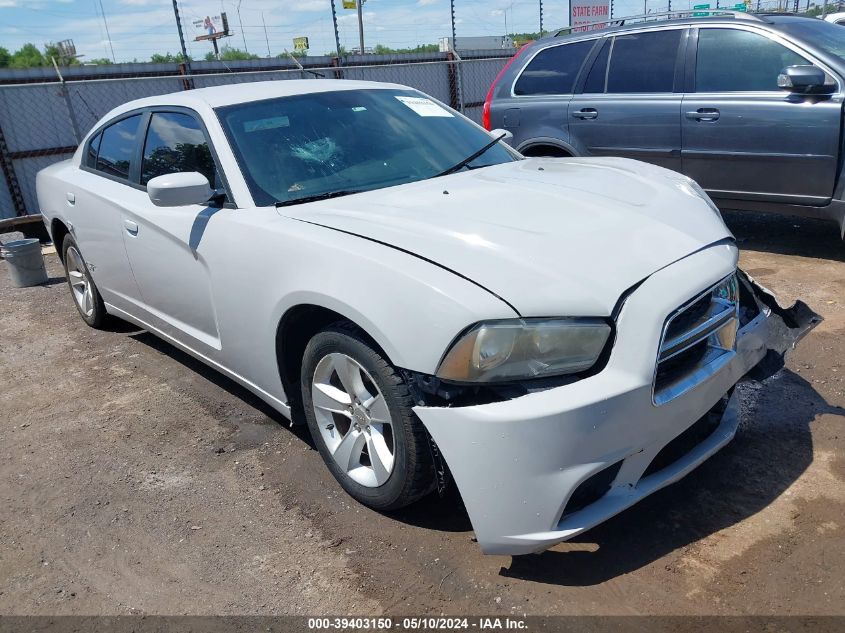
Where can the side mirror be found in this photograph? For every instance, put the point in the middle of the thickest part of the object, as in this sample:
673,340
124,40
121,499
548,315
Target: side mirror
804,79
499,131
179,190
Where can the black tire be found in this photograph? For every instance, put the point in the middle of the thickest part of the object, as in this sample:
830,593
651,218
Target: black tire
98,315
413,474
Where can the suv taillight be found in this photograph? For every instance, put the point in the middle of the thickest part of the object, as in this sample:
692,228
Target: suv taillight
485,112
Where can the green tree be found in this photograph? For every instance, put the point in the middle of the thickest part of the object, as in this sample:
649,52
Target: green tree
167,58
381,49
100,61
27,57
51,51
5,57
235,54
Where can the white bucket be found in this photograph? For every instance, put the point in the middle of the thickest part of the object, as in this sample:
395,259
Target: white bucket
26,264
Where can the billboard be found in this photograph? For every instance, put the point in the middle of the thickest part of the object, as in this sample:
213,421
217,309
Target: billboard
210,27
300,44
588,15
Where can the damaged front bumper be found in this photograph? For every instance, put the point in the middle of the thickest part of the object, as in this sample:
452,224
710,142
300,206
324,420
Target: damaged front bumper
541,468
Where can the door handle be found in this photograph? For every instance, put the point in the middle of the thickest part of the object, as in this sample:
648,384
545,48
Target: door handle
131,227
586,113
704,114
71,198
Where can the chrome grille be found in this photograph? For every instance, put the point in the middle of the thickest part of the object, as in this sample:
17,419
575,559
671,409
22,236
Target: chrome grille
698,339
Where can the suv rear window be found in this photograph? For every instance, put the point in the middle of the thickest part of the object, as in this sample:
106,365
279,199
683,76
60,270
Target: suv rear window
643,62
553,70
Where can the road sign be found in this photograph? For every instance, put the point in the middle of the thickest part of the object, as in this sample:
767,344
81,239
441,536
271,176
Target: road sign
300,43
588,15
700,6
349,4
741,6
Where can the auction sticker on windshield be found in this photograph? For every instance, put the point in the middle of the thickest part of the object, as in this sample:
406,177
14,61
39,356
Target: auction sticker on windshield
424,107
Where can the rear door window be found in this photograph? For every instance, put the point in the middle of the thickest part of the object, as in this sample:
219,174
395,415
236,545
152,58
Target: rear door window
553,70
117,147
734,60
598,73
643,62
93,148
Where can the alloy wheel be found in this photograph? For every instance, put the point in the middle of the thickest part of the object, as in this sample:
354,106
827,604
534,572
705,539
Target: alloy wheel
80,282
354,419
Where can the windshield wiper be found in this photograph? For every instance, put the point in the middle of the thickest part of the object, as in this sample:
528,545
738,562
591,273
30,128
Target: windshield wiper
470,158
319,196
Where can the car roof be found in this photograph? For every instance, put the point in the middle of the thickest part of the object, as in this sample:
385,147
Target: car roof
218,96
768,19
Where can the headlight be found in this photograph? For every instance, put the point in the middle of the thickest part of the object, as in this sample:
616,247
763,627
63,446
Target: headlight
517,349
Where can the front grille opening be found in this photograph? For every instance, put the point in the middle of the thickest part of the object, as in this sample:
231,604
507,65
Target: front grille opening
694,338
592,489
688,318
701,429
681,364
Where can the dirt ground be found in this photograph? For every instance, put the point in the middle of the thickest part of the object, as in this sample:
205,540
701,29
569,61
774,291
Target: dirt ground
135,480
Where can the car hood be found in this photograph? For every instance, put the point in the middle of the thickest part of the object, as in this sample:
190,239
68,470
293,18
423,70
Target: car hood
552,237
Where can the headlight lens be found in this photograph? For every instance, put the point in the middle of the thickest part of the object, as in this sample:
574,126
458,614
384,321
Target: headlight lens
518,349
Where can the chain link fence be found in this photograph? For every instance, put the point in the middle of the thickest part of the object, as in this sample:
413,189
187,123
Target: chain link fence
43,122
44,113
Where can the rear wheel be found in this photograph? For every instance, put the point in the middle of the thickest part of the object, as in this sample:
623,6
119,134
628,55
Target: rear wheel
86,297
358,411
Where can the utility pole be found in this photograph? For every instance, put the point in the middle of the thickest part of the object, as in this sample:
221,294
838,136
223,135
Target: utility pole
336,32
106,24
182,37
266,39
452,13
541,18
241,22
360,4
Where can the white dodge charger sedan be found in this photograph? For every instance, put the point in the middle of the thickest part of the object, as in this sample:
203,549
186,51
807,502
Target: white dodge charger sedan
556,337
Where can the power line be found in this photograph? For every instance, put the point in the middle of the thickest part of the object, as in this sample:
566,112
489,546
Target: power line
108,36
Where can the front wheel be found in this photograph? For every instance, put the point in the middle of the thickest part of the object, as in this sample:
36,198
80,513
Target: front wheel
358,410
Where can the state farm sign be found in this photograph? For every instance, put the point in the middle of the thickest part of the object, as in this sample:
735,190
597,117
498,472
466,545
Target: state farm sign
589,14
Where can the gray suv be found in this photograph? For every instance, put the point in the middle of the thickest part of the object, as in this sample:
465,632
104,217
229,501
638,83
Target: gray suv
749,106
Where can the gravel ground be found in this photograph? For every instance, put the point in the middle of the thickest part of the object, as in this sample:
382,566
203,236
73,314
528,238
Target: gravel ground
135,480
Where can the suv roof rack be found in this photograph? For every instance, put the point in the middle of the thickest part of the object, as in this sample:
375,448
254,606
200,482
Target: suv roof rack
668,15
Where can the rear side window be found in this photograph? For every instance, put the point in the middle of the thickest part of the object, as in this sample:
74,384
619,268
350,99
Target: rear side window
643,62
176,142
93,148
553,70
117,147
732,60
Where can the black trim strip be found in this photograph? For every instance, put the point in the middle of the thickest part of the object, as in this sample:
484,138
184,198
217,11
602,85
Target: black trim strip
47,151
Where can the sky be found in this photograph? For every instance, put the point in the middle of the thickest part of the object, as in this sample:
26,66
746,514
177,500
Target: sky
139,28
